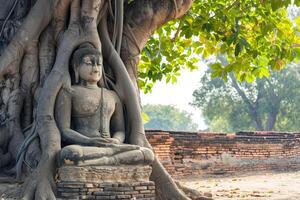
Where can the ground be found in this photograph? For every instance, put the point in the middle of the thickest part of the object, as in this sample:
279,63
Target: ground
9,190
264,186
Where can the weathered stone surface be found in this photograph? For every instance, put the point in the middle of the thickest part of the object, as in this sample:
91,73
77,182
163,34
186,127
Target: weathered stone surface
100,174
107,191
105,182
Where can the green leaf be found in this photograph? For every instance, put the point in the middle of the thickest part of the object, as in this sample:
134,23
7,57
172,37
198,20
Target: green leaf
297,21
168,78
145,118
278,64
174,79
232,39
263,61
216,66
297,52
250,78
244,42
262,72
238,49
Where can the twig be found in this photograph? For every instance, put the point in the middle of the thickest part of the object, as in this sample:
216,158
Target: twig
177,31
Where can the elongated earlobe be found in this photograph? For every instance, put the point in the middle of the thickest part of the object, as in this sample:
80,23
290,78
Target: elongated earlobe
76,73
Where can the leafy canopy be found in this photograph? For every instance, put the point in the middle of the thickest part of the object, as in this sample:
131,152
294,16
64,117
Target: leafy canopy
168,117
255,36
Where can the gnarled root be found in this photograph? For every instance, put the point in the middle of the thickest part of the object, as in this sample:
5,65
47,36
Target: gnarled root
81,29
39,186
33,154
166,188
194,194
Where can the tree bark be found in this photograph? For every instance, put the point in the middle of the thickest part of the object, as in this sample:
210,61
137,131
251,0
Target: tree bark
252,107
275,101
44,43
272,117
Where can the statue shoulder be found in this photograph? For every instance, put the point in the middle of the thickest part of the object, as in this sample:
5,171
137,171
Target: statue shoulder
113,94
66,91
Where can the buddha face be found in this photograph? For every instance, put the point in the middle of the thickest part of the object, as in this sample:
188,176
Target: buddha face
90,69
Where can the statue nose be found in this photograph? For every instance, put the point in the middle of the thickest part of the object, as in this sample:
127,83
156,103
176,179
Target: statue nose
95,68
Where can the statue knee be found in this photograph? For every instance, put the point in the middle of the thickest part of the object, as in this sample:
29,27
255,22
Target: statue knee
148,155
72,153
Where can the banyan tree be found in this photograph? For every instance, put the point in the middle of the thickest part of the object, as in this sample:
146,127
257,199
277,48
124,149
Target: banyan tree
37,40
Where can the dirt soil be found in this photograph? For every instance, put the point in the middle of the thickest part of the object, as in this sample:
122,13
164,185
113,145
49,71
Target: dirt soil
267,186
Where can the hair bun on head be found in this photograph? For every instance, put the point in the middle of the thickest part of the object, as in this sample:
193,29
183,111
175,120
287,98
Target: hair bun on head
83,50
86,45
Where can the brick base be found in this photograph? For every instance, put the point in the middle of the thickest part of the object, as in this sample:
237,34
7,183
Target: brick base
105,182
130,191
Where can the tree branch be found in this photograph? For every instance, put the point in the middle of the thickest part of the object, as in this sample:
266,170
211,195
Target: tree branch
242,94
143,17
36,21
252,108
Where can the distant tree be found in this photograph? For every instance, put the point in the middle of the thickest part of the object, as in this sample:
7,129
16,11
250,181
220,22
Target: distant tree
168,117
266,104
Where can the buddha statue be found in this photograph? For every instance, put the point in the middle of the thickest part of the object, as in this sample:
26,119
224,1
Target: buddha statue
91,120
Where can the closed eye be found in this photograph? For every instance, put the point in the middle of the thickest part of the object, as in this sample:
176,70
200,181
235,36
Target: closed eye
88,62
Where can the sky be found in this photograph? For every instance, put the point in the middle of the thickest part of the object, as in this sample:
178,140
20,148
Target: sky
179,94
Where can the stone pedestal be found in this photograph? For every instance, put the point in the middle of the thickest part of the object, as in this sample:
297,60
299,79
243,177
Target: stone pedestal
105,182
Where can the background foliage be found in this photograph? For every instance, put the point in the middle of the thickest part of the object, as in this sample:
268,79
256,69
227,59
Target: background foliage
255,36
168,117
266,104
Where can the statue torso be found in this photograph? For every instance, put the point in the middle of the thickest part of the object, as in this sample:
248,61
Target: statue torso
92,110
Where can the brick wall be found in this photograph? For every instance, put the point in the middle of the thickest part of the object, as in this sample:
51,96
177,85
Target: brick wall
78,190
199,154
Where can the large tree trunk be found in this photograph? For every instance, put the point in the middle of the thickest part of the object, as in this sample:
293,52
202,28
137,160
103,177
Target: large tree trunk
36,63
274,106
272,117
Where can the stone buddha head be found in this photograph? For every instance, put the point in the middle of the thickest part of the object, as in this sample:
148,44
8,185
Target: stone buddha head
87,65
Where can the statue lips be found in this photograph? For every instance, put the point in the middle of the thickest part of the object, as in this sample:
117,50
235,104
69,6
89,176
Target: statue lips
95,75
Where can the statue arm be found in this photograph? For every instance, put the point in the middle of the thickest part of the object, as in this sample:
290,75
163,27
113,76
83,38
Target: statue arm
117,122
63,109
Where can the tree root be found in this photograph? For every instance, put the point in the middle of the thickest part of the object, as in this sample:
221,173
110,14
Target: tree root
47,129
192,193
166,188
39,186
66,24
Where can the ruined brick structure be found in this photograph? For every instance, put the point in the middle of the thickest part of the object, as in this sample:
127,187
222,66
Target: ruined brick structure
105,182
198,154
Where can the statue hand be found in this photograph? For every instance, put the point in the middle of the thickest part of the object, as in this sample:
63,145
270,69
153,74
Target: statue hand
104,142
113,141
98,141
